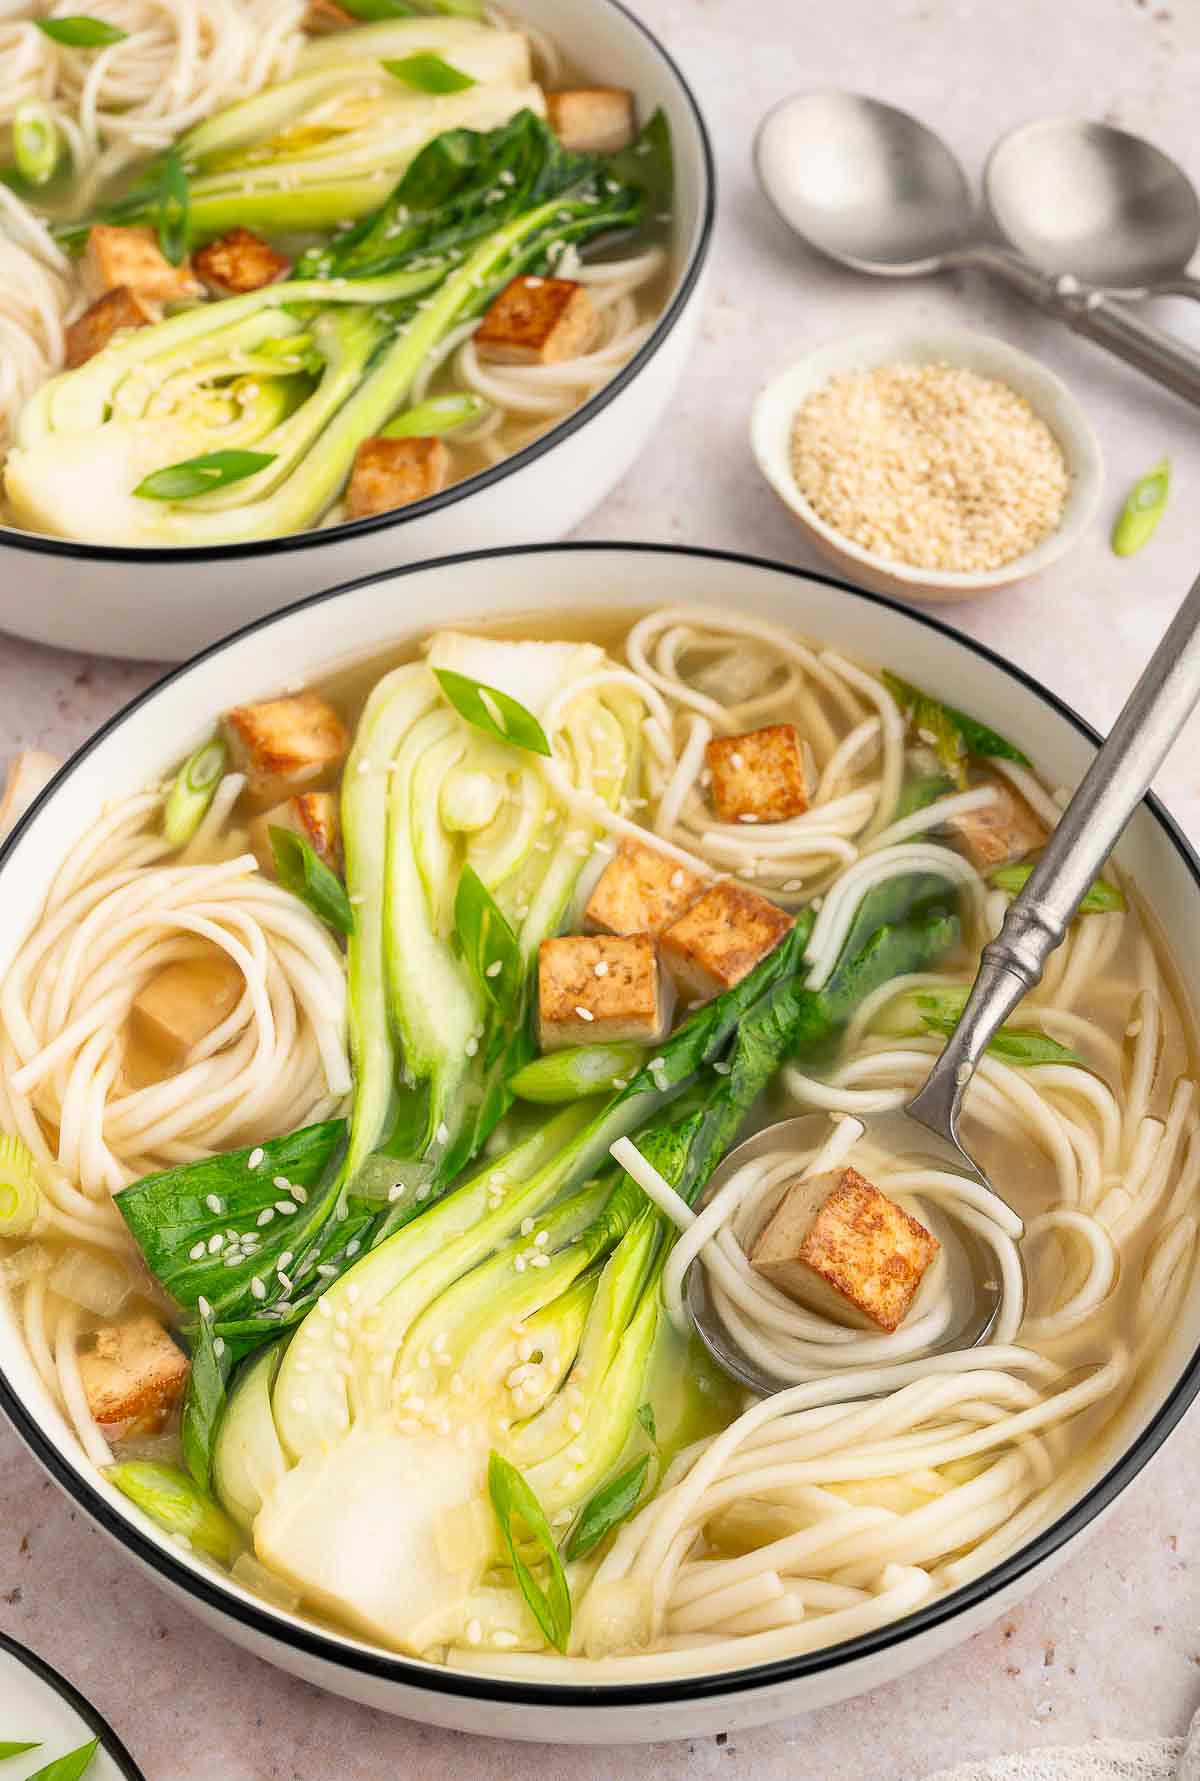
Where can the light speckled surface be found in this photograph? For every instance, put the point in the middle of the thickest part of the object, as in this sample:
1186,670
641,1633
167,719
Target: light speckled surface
1112,1645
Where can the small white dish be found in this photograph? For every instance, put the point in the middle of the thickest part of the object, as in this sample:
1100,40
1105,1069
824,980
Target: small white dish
917,344
42,1707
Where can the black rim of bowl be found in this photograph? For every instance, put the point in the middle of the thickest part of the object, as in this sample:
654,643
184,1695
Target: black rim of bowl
378,1664
15,539
66,1691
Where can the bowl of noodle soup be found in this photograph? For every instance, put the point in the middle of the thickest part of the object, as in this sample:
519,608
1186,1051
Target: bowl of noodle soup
245,121
781,1554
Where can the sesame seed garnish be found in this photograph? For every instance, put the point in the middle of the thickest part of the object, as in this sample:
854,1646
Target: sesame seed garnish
443,1133
542,1238
282,1182
300,1194
255,1158
747,816
585,1013
266,1215
203,1307
286,1207
216,1243
196,1251
677,878
737,761
257,1288
218,1346
214,1205
495,968
527,1225
600,968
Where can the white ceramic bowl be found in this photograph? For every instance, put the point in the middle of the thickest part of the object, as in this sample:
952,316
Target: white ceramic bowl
40,1705
165,604
771,436
147,737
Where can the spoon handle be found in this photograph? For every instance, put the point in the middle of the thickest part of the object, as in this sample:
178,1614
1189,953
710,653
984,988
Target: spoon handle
1087,831
1185,285
1088,312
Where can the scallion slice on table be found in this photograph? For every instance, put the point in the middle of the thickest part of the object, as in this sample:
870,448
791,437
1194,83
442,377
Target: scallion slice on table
69,1767
18,1749
1144,506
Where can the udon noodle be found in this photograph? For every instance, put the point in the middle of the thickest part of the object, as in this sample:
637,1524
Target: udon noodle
892,1466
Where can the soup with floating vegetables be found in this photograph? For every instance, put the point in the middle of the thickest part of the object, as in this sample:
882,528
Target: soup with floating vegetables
364,1082
270,267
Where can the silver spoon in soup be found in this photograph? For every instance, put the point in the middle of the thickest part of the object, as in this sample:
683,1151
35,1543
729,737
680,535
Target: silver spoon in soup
926,1129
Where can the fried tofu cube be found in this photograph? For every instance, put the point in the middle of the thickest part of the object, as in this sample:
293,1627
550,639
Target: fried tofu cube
312,815
641,891
1007,829
120,255
598,987
859,1259
240,261
536,321
285,746
184,1002
758,777
133,1375
395,472
592,120
110,314
321,16
721,938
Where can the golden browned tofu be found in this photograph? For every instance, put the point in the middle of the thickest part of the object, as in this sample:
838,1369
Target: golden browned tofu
595,987
641,891
321,16
1005,830
312,815
240,261
110,314
721,938
119,255
536,321
133,1375
285,746
592,120
861,1257
758,777
395,472
185,1002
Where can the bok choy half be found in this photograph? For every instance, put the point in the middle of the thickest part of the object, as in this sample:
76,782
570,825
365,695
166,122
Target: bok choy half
302,372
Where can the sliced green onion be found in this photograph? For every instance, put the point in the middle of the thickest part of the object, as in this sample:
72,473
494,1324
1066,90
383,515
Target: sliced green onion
80,31
440,414
495,713
173,222
646,1417
489,944
193,789
36,143
563,1076
1144,506
20,1192
513,1502
306,875
429,73
610,1505
70,1766
179,1506
941,1010
199,476
17,1749
1101,898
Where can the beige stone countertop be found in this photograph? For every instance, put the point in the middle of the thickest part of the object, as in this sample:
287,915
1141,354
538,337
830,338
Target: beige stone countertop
1111,1646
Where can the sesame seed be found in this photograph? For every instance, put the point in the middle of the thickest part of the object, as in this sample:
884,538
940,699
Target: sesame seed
495,968
585,1014
747,816
526,1226
214,1205
542,1238
257,1288
216,1243
219,1346
723,1069
737,761
539,1261
196,1251
677,878
285,1207
281,1181
600,968
443,1133
299,1194
255,1158
471,1047
203,1307
364,767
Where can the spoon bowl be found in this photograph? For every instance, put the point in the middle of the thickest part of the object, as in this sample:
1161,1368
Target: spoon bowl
1094,203
864,183
976,1292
